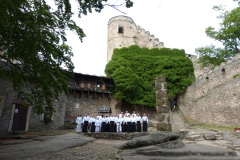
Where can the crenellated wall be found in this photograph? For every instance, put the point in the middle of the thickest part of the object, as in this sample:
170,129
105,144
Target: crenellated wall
214,97
123,32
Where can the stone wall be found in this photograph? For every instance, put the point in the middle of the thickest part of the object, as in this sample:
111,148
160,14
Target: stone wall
162,105
9,97
214,97
198,71
37,123
131,34
5,90
149,111
84,104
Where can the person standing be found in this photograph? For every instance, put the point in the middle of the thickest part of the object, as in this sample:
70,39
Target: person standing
121,114
145,122
172,105
139,123
85,123
79,122
97,125
111,123
121,123
103,126
134,114
133,128
129,122
92,121
118,124
127,114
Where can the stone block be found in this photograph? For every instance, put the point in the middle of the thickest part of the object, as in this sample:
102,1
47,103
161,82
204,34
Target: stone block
164,109
164,86
160,102
163,126
152,129
209,136
160,117
160,79
158,86
161,94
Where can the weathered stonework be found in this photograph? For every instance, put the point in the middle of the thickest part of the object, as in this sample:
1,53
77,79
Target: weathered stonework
33,122
162,105
129,34
149,111
162,126
76,105
160,117
37,124
214,97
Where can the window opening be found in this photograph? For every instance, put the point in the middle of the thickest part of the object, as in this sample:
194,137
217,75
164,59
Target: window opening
120,29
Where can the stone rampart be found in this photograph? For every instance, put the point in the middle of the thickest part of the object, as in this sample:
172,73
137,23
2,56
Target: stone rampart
214,97
143,38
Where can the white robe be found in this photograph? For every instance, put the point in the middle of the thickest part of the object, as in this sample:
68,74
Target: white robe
79,122
97,125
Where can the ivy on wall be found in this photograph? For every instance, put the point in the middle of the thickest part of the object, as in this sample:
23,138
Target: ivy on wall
135,70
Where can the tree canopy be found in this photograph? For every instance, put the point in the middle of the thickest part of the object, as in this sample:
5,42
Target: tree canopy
228,35
33,45
135,70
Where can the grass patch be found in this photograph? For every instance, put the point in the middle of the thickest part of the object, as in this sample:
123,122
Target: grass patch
196,124
236,76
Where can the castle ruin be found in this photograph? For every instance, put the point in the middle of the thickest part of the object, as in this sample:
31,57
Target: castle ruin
123,32
213,98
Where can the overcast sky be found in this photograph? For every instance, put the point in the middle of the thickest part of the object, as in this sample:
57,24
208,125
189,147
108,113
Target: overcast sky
177,23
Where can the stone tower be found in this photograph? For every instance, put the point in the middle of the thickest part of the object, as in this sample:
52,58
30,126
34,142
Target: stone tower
123,32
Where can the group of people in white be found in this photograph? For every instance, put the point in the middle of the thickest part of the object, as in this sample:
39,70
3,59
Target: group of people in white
123,122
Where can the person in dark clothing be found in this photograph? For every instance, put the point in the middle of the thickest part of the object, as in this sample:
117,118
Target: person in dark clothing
172,105
85,123
145,122
103,127
92,121
139,122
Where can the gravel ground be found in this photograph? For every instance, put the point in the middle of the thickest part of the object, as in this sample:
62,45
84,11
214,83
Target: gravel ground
98,150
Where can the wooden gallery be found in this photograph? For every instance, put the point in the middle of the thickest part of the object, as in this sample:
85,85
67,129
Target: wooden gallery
88,94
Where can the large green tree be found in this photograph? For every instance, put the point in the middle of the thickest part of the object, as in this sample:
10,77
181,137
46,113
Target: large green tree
228,35
33,45
135,70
